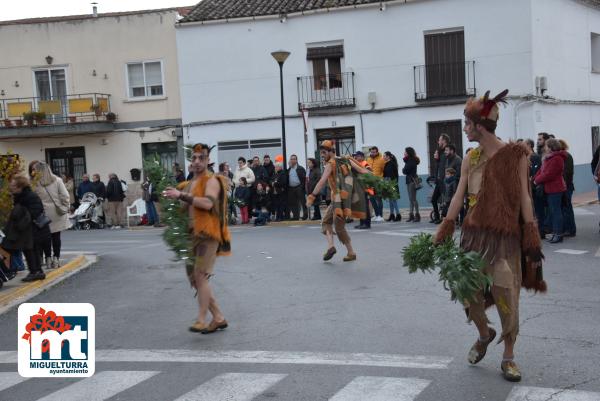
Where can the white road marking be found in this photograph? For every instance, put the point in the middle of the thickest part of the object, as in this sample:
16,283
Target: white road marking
9,379
578,211
233,387
270,357
381,389
597,253
419,231
100,387
523,393
394,233
571,251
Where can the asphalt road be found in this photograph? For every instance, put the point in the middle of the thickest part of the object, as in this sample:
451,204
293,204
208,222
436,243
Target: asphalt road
302,329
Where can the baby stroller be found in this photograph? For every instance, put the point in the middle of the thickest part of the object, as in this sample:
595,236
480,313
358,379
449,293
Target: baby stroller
431,182
89,214
6,273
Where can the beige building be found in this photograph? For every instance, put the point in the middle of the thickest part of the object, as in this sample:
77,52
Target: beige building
103,87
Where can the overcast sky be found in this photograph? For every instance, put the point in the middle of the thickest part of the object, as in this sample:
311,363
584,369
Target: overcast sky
10,10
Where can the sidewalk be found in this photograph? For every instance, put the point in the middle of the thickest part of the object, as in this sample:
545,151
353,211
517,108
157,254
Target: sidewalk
586,198
15,291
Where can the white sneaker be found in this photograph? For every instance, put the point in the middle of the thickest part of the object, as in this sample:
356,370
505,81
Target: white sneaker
118,227
55,262
48,263
378,219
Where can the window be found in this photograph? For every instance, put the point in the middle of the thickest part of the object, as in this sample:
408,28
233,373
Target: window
595,138
595,52
145,79
326,66
445,64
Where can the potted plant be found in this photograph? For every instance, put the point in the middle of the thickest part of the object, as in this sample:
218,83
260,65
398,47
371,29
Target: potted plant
72,119
28,117
39,117
19,123
111,117
97,109
7,123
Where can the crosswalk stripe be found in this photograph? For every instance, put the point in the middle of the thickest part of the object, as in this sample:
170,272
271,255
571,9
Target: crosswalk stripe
578,211
101,386
233,387
394,233
381,389
9,379
571,251
524,393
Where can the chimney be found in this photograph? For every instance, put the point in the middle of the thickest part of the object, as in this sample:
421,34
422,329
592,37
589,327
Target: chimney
95,10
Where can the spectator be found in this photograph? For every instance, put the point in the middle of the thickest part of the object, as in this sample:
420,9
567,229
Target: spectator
115,197
150,196
411,161
56,202
39,227
269,167
314,175
243,194
570,229
262,204
260,173
99,189
243,171
390,173
365,224
224,171
453,161
450,185
190,175
376,165
84,187
18,237
541,144
68,181
595,163
280,192
551,176
178,173
439,174
296,188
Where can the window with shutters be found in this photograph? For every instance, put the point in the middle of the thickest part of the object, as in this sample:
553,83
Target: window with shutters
326,66
145,80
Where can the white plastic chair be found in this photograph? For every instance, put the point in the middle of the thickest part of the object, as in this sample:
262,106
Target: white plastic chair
137,209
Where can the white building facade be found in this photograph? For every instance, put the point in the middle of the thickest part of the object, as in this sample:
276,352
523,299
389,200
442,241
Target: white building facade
392,74
107,84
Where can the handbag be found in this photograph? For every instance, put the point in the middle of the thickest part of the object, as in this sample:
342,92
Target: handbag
418,181
58,209
41,221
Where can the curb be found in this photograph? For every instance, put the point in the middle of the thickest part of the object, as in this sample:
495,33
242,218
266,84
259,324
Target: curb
30,290
586,203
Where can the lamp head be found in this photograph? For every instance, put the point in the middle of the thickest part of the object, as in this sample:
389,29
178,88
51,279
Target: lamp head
280,56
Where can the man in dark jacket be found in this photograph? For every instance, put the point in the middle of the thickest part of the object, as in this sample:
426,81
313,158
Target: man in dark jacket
84,187
24,197
453,161
296,189
280,192
440,174
269,167
98,187
114,196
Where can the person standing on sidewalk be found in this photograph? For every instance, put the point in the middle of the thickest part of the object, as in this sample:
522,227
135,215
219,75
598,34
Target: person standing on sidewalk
296,191
390,173
314,175
440,174
115,197
205,198
376,164
365,224
411,161
570,228
56,202
149,196
24,196
279,192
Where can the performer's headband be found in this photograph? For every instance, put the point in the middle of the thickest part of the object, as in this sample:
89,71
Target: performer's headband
199,147
484,108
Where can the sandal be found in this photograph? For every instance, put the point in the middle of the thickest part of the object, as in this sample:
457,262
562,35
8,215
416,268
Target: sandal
479,349
214,326
329,254
198,327
510,371
350,257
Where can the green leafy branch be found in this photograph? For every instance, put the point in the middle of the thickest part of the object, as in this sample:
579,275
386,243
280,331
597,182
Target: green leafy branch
460,272
384,188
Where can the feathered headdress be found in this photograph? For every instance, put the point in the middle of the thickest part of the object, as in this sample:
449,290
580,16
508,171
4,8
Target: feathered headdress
485,108
199,147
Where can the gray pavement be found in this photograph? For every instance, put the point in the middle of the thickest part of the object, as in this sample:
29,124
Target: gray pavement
301,329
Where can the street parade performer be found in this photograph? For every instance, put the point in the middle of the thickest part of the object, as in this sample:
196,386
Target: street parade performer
347,197
499,226
205,198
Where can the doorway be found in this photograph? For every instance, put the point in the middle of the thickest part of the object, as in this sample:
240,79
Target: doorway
344,137
451,128
68,161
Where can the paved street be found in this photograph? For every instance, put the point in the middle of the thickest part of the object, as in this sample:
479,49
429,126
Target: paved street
301,329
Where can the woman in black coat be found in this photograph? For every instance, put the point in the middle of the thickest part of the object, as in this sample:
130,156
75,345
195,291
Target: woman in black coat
314,175
25,198
411,161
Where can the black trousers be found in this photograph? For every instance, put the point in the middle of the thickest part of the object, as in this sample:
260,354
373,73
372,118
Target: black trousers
34,258
435,198
316,208
295,200
53,245
366,221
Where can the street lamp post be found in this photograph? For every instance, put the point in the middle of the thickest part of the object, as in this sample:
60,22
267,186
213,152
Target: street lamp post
280,56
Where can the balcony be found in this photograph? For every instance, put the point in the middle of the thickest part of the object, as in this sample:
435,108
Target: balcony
326,91
36,116
444,82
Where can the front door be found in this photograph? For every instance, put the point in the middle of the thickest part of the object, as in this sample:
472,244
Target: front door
451,128
67,161
344,137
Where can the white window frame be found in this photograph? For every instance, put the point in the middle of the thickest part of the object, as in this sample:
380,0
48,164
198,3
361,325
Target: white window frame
146,97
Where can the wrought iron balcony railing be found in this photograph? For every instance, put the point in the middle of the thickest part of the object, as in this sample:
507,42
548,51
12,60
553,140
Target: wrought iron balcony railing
326,91
444,81
70,109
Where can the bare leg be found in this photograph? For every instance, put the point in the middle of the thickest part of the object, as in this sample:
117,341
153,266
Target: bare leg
349,248
509,347
329,235
214,308
204,295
